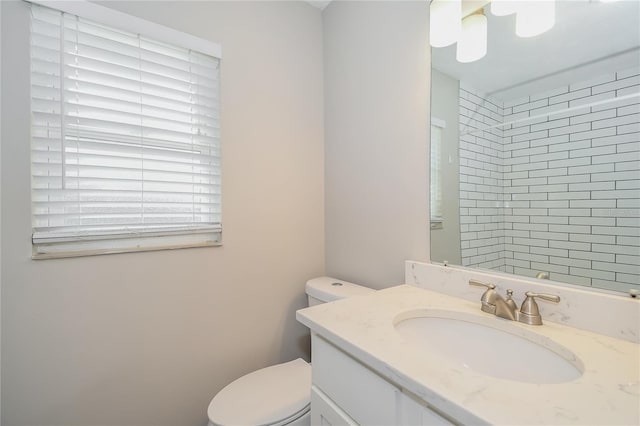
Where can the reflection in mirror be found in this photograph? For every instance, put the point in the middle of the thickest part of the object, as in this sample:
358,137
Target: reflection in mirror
539,148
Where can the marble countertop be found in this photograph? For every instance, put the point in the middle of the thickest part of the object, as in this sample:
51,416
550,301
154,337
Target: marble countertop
607,393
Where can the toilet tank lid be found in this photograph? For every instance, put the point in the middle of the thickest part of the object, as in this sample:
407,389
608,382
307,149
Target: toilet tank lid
263,397
328,289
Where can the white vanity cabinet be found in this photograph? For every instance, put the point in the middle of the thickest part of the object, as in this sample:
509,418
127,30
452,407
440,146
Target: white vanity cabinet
366,372
345,392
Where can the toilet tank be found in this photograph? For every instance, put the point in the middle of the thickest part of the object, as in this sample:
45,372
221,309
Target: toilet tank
326,289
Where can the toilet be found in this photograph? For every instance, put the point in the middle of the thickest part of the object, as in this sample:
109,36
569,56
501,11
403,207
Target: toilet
280,394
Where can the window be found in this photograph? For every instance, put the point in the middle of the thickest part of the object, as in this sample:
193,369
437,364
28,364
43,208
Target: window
437,128
125,137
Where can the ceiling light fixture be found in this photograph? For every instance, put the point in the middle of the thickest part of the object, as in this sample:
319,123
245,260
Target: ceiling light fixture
472,44
464,22
445,22
503,7
535,17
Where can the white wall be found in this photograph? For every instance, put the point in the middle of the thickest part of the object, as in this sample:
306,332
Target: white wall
149,338
376,62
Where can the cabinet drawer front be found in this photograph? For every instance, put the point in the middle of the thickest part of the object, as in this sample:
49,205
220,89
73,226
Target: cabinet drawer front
369,399
413,413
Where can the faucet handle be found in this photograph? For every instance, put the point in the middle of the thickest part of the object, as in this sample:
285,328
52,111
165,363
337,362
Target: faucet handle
482,284
488,303
529,312
544,296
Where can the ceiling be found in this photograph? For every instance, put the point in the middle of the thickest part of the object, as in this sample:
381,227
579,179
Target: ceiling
592,33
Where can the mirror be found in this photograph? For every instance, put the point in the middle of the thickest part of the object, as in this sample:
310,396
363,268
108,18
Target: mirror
536,148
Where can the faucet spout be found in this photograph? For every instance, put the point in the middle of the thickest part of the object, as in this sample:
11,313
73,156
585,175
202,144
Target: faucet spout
505,310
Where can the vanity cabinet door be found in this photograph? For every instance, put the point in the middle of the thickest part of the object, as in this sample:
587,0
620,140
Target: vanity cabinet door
364,395
325,412
346,392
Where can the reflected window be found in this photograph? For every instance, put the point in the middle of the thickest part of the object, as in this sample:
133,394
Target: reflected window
437,128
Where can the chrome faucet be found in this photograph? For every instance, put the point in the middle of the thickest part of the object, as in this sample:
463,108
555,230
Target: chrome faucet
493,303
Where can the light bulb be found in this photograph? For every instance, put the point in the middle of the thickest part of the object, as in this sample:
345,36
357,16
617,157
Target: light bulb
445,22
473,39
535,17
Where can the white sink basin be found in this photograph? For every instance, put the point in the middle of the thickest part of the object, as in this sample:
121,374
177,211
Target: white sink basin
490,346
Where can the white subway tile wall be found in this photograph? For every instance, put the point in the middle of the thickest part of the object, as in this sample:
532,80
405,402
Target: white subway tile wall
481,180
556,187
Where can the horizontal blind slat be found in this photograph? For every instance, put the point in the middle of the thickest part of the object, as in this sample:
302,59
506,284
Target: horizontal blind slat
56,233
153,110
83,110
161,155
209,145
152,100
125,82
43,159
43,194
91,57
127,49
123,182
131,46
79,124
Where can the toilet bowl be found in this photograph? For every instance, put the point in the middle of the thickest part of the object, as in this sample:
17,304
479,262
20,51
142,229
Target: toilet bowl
280,394
276,395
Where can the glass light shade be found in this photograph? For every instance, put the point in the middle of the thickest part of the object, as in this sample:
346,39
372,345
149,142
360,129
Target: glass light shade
503,7
535,17
444,23
473,39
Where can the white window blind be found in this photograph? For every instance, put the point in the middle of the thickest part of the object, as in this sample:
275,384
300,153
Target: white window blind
125,140
437,127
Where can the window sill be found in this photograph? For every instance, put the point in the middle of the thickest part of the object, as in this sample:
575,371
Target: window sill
43,251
